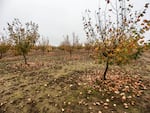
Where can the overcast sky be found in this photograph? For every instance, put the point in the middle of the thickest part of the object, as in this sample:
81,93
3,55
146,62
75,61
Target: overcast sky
55,17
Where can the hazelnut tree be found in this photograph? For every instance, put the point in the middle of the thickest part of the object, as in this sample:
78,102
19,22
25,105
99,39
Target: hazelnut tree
44,45
4,46
66,45
87,47
76,44
117,32
23,37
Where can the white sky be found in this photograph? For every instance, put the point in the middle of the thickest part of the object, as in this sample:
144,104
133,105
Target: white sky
54,17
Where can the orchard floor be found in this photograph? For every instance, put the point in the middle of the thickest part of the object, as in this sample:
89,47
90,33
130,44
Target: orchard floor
60,84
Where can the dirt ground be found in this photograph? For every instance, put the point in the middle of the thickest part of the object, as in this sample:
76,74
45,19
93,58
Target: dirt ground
57,84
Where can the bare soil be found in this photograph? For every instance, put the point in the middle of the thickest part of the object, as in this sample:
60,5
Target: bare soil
54,83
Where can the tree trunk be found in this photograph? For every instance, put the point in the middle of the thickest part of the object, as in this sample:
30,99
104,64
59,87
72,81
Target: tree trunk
70,52
43,52
25,59
106,69
88,52
1,55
